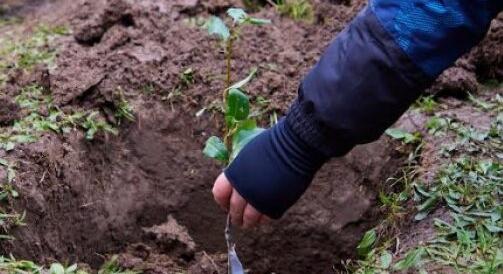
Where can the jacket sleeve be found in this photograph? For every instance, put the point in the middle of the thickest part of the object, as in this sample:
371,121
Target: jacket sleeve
380,64
366,79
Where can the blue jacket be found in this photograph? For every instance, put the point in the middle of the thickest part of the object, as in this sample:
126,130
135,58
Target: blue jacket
366,79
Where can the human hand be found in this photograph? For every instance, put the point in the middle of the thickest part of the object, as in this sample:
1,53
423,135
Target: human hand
242,213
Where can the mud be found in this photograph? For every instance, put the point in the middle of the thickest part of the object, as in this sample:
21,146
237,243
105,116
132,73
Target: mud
9,111
482,64
145,194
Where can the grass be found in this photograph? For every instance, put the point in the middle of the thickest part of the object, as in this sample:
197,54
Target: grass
469,186
29,51
24,54
43,116
426,104
8,219
300,10
186,79
11,265
7,21
123,110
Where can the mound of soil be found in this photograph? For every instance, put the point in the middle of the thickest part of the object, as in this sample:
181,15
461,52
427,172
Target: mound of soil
481,64
146,194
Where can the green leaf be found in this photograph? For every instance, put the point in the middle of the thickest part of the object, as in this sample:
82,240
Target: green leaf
238,15
259,21
14,193
90,133
57,269
71,268
493,228
386,258
426,207
421,191
217,27
366,243
396,133
216,149
421,215
238,105
247,124
4,162
9,146
412,259
242,83
406,137
242,138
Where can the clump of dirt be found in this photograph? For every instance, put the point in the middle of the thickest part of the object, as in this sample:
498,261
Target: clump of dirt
488,56
9,111
482,63
84,199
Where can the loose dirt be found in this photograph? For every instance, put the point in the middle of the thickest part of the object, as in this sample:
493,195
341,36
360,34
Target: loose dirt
145,194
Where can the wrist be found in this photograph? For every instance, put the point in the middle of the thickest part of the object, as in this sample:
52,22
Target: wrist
275,169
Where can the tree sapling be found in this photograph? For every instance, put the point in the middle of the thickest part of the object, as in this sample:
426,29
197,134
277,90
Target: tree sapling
240,127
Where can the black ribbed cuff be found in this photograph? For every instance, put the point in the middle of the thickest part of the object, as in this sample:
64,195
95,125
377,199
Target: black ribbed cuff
303,122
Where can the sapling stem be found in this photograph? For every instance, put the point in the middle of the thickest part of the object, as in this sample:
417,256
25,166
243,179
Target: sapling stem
228,54
240,126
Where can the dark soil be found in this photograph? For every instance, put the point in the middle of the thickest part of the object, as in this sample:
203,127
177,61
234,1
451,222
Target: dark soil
146,194
482,64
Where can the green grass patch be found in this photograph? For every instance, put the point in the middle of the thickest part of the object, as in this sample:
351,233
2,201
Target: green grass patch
11,265
43,116
300,10
28,51
469,185
426,104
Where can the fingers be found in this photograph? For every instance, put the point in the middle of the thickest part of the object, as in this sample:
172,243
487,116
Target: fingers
237,208
242,213
222,191
251,217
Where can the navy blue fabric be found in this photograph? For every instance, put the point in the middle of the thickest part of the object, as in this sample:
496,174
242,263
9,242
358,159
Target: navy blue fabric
362,84
274,169
434,33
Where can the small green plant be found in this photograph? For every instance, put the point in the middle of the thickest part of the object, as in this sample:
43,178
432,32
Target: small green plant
8,221
413,259
427,104
240,127
148,89
7,188
295,9
57,268
112,267
404,136
92,124
11,265
494,104
367,242
123,110
187,77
